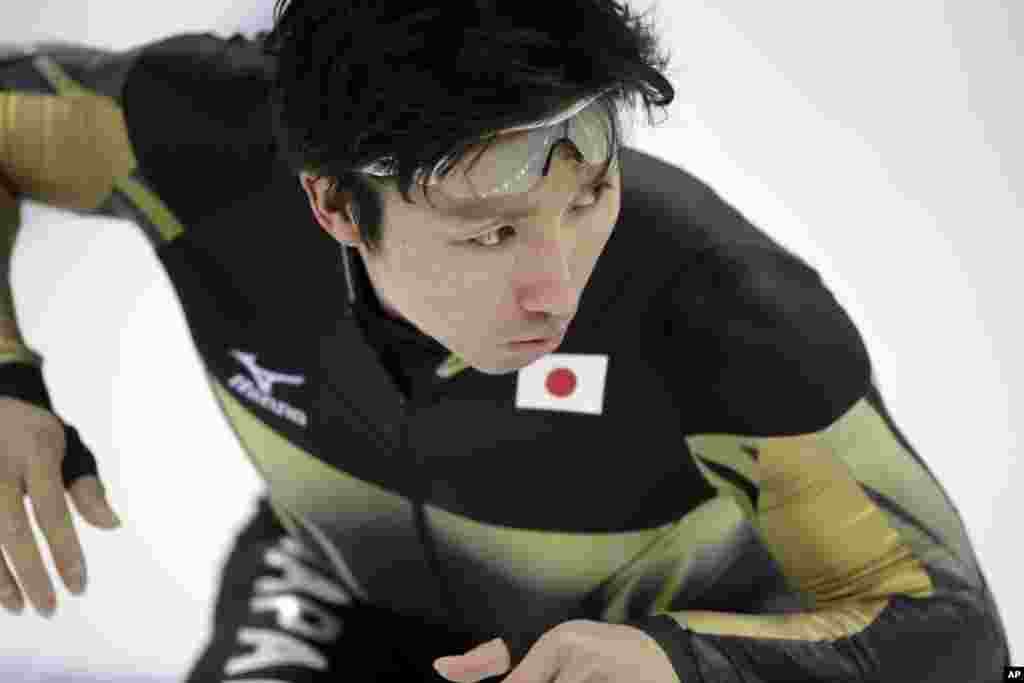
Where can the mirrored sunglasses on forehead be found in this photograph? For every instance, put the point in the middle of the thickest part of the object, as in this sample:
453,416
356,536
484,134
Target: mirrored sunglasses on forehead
518,166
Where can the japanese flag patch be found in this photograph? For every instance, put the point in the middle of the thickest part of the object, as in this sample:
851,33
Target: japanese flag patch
569,382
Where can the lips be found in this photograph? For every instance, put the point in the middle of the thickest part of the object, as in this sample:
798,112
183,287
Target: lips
549,337
542,340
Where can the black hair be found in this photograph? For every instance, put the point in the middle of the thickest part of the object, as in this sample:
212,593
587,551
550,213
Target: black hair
420,83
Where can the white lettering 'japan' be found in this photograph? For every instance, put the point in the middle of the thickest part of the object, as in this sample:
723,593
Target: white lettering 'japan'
300,616
297,577
294,614
273,649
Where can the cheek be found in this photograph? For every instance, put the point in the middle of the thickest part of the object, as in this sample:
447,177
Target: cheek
452,288
474,299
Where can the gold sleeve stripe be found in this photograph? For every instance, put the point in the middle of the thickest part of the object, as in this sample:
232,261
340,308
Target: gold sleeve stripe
808,500
64,151
867,443
834,623
834,545
142,197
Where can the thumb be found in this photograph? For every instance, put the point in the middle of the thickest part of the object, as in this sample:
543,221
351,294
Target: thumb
483,661
91,502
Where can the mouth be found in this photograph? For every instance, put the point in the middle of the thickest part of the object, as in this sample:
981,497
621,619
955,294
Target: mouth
538,343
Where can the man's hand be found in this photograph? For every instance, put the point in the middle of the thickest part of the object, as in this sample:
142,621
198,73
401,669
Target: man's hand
577,651
33,444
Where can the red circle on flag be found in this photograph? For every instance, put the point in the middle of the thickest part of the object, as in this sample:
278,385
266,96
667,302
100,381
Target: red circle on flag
561,382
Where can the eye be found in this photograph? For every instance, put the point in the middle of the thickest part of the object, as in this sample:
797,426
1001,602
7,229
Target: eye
599,192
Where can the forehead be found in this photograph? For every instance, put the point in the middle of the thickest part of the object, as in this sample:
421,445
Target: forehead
459,194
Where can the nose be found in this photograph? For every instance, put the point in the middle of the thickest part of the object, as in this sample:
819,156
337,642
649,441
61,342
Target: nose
547,284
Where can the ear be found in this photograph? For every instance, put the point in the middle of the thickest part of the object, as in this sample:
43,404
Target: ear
338,224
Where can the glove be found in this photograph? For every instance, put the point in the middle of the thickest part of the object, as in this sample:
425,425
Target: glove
25,382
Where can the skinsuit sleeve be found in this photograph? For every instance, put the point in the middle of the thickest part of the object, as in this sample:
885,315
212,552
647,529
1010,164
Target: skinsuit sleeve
62,143
64,151
867,540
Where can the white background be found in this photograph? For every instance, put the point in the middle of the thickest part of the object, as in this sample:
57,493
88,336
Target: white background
879,140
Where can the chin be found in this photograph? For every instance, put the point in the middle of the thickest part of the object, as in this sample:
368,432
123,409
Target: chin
495,370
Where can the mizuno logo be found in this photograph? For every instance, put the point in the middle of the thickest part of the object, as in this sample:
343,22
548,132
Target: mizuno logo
259,386
266,379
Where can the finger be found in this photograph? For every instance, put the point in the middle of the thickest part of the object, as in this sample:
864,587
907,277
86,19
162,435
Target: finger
484,661
91,502
46,491
18,541
542,662
10,593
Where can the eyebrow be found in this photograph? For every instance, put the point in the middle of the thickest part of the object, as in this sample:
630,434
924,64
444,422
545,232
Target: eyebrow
472,215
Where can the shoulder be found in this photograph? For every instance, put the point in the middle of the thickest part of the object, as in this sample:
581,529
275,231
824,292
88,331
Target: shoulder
197,111
750,325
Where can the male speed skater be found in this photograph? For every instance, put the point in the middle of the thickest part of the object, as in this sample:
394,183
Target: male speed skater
528,402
